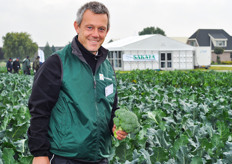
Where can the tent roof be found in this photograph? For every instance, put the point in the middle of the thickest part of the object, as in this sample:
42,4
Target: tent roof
147,42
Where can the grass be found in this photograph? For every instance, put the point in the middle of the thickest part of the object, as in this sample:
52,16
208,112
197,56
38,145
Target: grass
201,69
2,64
220,68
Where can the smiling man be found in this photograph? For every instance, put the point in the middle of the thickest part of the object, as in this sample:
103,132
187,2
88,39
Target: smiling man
74,97
92,30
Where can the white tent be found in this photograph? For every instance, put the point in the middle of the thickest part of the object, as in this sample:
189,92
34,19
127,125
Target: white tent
148,42
41,55
150,51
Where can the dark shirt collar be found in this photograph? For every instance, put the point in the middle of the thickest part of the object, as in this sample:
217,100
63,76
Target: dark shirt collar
84,51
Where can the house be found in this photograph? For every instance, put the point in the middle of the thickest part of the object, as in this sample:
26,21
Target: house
213,38
150,52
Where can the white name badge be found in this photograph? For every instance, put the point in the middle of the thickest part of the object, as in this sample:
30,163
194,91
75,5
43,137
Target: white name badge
109,90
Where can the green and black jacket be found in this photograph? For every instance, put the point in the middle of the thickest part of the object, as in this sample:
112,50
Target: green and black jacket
72,108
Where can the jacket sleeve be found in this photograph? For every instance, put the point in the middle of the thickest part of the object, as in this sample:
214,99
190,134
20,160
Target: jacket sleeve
45,92
115,107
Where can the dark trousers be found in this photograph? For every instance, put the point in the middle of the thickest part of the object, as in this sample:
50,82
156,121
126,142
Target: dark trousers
16,71
27,72
62,160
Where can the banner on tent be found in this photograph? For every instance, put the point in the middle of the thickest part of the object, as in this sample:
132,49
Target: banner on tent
148,57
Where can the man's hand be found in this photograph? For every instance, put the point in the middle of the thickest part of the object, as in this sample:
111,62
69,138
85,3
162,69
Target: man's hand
41,160
120,134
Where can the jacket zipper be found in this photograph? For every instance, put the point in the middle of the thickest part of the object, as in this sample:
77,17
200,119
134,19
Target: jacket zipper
97,111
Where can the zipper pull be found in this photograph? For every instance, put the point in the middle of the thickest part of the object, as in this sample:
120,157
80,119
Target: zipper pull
94,82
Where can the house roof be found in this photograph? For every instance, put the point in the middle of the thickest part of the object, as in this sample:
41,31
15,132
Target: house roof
203,38
147,42
218,36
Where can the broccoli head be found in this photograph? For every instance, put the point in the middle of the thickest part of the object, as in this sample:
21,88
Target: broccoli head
126,120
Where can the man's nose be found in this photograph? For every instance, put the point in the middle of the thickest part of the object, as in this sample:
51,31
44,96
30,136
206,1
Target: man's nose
95,33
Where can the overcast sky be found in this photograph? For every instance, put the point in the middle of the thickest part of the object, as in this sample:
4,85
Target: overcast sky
52,20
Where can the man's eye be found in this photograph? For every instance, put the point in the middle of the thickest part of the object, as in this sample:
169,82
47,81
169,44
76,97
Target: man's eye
102,29
90,28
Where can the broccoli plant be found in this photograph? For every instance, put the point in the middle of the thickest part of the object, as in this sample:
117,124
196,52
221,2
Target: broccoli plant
126,120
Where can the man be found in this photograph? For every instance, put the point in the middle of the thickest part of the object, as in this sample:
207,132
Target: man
16,66
74,97
36,64
26,66
9,65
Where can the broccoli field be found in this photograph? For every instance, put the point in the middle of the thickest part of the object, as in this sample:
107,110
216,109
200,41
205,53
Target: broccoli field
185,118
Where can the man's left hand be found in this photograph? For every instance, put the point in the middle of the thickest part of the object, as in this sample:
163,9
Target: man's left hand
120,134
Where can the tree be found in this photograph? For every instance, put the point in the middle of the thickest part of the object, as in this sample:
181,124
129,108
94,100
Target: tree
152,30
218,51
53,48
17,44
47,51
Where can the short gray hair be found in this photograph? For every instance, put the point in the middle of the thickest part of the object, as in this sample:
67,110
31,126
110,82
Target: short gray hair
96,8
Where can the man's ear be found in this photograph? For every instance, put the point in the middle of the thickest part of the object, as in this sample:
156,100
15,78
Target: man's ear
76,27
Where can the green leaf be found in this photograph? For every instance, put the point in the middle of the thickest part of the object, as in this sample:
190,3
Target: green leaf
224,131
8,156
1,157
228,157
217,142
122,153
182,141
159,154
228,153
17,131
196,160
5,121
157,116
182,155
160,138
26,160
20,145
146,156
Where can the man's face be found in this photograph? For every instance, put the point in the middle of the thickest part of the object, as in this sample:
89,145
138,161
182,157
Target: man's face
92,30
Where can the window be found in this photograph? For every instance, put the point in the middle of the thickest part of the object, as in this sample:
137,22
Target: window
115,58
192,43
166,60
162,56
169,60
169,56
221,43
169,64
162,64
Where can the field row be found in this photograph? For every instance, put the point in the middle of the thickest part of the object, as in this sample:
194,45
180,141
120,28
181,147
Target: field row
185,117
